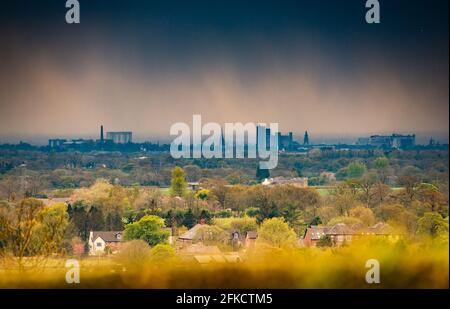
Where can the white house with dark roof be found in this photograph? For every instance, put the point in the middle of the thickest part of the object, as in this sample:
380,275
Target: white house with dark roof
101,242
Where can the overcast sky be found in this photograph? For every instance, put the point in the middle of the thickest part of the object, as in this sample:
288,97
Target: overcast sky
143,65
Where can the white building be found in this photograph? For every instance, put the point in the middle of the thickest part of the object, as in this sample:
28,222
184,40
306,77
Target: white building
120,137
101,242
300,182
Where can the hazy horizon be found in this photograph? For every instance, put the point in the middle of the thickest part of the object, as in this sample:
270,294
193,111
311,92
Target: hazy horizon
141,66
40,140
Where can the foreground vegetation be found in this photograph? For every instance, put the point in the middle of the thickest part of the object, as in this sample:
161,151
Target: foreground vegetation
402,265
39,232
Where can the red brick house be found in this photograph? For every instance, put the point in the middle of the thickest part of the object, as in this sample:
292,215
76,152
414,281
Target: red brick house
313,234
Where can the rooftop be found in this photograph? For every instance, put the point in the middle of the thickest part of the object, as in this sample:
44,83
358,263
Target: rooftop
380,228
107,236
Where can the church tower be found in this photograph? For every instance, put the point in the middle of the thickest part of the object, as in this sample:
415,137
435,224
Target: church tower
306,139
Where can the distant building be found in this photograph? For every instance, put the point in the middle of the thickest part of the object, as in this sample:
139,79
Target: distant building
300,182
250,238
285,142
119,137
56,142
380,141
393,141
403,141
101,242
79,141
362,141
198,233
342,233
306,138
102,139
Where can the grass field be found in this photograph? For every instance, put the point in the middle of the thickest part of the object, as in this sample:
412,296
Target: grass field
322,190
165,191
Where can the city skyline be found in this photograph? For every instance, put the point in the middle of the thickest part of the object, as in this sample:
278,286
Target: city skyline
298,137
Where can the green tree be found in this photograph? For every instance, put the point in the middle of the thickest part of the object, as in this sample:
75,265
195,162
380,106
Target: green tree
430,195
364,214
366,185
162,253
148,228
78,217
218,188
48,234
292,215
324,241
189,219
277,233
178,184
315,221
356,170
114,221
203,194
134,254
205,216
95,219
410,185
267,210
261,197
17,225
343,198
251,212
432,224
382,167
344,219
174,219
243,225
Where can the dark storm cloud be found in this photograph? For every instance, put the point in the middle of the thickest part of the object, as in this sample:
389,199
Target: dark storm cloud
142,65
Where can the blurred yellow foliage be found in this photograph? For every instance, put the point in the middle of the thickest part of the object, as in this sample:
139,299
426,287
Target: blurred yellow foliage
403,264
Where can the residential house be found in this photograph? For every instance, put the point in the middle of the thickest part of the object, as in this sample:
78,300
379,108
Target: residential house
342,233
189,236
204,233
313,234
250,239
101,242
246,240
